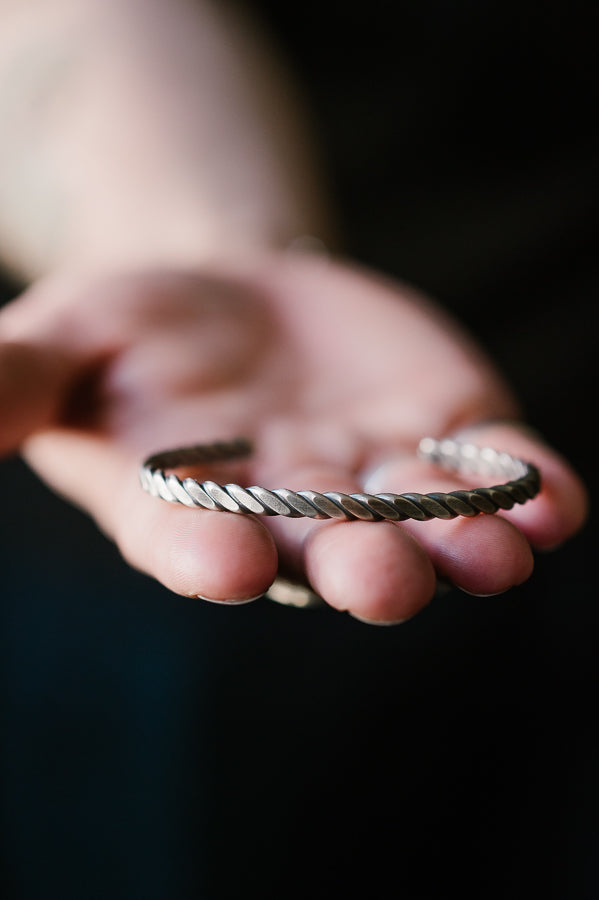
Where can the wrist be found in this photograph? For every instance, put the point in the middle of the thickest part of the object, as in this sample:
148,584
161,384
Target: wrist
176,143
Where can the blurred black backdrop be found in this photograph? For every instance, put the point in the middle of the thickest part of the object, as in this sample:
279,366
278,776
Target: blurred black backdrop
154,747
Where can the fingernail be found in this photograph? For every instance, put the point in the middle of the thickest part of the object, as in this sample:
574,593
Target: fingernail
378,622
232,601
476,594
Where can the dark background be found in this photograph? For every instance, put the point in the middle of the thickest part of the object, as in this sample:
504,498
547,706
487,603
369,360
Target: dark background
154,747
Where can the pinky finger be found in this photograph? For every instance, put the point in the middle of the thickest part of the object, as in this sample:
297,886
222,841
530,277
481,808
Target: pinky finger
561,507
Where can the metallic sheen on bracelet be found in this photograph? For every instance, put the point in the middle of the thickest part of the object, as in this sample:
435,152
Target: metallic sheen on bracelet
520,482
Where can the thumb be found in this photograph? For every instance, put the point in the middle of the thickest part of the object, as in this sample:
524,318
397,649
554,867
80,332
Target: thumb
33,379
42,353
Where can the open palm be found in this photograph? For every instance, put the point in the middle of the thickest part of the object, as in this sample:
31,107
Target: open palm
332,372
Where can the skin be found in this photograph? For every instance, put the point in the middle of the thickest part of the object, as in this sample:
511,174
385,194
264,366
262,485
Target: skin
335,396
148,197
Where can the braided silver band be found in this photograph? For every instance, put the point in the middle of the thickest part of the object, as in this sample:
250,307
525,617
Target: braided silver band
463,458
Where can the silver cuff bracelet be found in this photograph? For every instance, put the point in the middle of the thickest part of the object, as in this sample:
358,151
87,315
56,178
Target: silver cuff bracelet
520,482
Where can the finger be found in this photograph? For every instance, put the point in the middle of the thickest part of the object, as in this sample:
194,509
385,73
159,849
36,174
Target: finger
483,555
218,557
561,507
40,358
373,570
32,381
60,332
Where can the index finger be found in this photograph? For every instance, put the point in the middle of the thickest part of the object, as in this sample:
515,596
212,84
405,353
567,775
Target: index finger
223,558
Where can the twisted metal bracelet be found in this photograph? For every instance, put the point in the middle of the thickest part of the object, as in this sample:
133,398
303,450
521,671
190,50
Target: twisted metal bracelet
463,458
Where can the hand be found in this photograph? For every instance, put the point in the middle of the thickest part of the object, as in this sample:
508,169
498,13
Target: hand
332,372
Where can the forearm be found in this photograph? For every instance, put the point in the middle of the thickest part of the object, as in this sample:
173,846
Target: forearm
146,131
